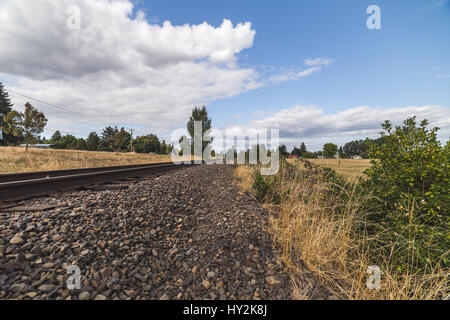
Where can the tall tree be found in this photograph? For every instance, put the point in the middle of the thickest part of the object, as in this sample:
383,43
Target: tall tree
330,150
93,141
56,137
200,114
107,139
5,108
29,124
283,151
122,139
296,152
303,149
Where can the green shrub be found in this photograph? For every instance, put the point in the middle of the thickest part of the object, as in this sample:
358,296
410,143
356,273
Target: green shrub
261,186
409,180
411,164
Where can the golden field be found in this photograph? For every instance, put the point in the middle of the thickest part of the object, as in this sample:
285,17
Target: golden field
14,159
348,168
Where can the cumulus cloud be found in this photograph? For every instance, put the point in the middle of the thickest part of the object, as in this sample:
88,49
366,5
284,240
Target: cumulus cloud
119,68
42,46
315,127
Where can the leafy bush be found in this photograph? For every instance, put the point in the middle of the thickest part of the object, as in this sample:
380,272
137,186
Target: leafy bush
409,180
411,164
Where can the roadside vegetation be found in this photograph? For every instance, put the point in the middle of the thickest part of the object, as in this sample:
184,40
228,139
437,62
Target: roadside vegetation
394,217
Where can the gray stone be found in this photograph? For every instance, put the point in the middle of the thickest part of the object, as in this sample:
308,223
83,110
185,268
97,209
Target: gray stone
84,295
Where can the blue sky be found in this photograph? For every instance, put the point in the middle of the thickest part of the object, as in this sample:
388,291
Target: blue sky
405,63
370,75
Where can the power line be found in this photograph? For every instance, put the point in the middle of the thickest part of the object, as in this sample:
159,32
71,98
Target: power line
43,102
131,141
56,107
50,105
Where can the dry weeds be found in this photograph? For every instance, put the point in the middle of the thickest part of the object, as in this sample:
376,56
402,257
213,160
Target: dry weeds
335,247
14,159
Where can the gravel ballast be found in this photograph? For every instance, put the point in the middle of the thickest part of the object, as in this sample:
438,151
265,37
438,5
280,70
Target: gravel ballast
188,234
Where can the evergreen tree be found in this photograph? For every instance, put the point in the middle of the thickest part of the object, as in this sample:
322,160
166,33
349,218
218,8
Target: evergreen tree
93,141
303,149
5,108
200,114
107,139
283,151
296,152
56,137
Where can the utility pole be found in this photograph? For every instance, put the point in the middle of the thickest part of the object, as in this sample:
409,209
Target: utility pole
132,130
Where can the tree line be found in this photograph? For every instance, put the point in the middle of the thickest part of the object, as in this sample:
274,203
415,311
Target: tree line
26,128
111,139
330,150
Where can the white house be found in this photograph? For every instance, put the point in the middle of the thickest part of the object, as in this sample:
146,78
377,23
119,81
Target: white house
42,146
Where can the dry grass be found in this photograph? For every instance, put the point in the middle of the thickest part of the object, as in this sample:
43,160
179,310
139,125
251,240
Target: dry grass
13,160
348,168
244,178
335,247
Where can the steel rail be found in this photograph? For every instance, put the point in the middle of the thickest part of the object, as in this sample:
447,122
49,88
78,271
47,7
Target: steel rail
41,183
11,177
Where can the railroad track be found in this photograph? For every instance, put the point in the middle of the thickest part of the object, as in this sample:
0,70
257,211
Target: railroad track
20,186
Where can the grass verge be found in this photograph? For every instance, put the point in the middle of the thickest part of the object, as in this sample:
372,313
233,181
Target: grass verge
319,222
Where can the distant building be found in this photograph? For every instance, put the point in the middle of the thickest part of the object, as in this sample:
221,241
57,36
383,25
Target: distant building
42,146
356,157
320,157
293,157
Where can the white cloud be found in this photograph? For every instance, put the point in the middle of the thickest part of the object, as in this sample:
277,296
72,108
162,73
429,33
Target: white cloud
315,127
41,45
314,65
318,62
118,68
